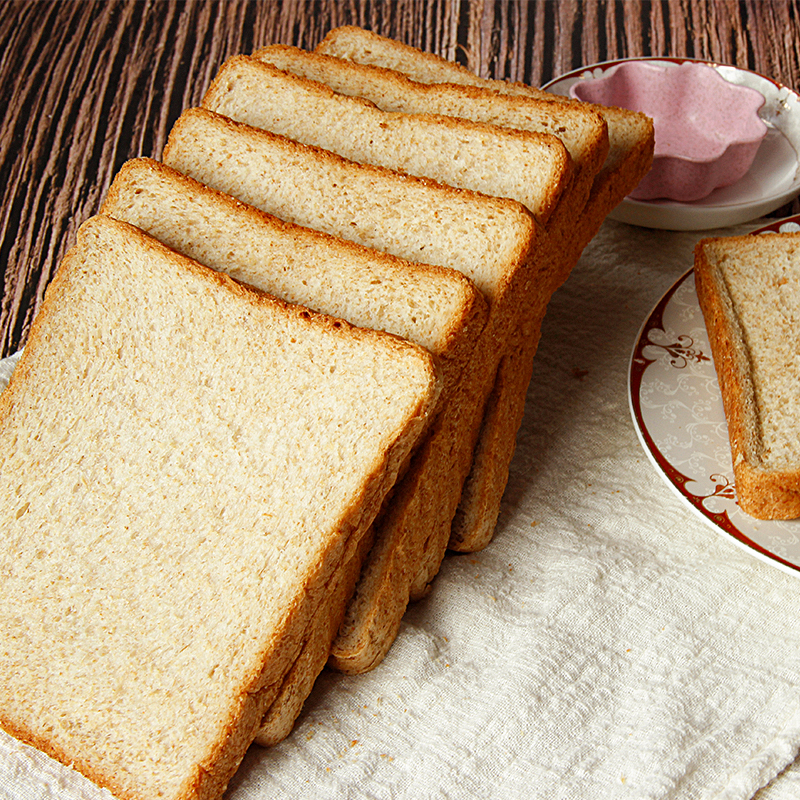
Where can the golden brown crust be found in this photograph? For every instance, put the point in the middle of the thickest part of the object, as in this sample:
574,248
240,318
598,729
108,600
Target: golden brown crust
473,526
539,114
583,131
474,523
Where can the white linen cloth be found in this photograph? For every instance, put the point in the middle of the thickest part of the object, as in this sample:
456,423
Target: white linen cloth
607,644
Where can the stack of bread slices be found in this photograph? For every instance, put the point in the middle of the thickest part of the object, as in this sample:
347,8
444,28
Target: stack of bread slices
275,379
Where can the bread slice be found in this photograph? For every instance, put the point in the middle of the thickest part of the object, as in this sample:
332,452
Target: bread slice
188,465
491,240
629,132
582,130
435,307
749,292
533,168
631,142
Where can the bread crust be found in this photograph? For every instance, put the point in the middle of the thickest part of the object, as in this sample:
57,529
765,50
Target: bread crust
626,129
474,523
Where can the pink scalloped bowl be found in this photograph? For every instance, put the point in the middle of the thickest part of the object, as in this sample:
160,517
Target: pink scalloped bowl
707,130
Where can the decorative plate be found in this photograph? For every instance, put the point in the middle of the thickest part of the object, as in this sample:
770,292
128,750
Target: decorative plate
678,414
772,181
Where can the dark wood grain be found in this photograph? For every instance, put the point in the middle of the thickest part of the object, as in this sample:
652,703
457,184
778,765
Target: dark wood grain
86,85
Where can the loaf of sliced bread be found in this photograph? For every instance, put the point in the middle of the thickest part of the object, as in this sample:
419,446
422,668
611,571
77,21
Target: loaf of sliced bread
533,168
189,467
749,292
491,240
432,306
631,142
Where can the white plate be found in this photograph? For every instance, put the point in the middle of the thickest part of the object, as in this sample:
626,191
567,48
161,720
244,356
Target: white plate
678,414
772,181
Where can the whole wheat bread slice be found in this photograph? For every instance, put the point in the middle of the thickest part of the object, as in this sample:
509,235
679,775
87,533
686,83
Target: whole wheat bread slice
490,240
631,141
533,168
749,292
188,468
581,129
460,153
437,308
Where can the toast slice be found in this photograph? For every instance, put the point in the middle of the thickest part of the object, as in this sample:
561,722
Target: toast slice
437,308
749,292
582,130
239,91
533,168
631,142
491,240
258,94
188,466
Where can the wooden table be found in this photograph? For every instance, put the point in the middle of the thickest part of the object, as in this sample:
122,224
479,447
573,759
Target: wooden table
87,85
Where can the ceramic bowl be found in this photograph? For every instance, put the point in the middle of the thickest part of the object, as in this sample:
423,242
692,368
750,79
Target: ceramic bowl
707,130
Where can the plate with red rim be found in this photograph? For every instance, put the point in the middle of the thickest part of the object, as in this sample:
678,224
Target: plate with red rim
772,181
677,411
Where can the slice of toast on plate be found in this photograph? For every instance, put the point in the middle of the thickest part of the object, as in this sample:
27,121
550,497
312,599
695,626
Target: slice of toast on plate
749,293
